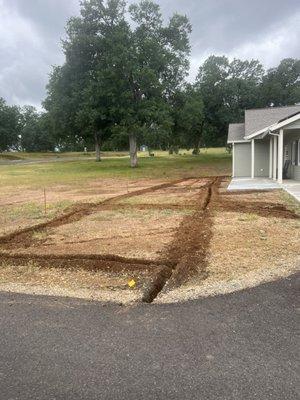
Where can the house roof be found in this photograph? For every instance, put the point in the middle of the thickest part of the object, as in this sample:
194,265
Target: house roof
260,118
236,133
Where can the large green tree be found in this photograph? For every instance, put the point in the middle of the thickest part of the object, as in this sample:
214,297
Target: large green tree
227,89
10,126
118,74
155,67
36,134
281,85
188,117
82,93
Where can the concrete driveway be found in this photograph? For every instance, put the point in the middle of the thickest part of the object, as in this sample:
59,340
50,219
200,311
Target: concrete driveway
239,346
289,185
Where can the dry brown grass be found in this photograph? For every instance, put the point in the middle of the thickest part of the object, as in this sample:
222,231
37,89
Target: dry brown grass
125,232
31,278
24,206
246,249
255,238
247,242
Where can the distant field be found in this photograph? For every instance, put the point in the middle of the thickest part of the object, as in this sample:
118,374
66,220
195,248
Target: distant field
25,156
78,170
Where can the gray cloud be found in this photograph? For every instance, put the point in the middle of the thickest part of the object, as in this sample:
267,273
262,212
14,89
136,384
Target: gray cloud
30,32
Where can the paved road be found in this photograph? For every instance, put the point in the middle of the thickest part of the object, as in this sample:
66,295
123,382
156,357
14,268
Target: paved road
241,346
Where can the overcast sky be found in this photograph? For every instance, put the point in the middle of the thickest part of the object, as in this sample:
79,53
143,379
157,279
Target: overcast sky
30,33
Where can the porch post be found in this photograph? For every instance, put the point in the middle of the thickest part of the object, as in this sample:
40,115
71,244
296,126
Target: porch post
252,158
233,160
280,155
274,157
270,158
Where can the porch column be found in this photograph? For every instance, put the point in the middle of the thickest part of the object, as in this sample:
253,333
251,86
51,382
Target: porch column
280,155
252,158
274,157
271,159
233,160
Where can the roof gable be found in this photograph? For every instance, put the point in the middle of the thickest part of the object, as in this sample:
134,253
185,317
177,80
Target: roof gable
236,133
257,119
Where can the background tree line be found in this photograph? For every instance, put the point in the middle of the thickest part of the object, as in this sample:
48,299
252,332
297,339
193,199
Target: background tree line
124,83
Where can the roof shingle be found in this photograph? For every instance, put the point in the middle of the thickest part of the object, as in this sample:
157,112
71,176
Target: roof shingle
260,118
236,133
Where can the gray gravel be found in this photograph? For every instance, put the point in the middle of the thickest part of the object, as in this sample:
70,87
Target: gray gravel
238,346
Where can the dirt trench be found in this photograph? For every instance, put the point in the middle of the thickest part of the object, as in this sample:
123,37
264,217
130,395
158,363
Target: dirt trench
159,270
179,261
24,236
186,255
259,208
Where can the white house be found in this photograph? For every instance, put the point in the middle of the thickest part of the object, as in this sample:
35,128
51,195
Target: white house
267,144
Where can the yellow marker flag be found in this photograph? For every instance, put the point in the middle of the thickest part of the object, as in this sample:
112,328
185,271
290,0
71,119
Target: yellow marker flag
132,283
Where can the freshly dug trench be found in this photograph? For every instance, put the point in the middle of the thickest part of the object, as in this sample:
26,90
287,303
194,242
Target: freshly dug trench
24,236
187,252
182,258
156,285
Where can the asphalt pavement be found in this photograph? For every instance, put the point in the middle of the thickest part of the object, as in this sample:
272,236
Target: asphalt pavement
238,346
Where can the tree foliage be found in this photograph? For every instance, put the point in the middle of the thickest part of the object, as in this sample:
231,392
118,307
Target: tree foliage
35,133
10,126
281,85
117,78
124,80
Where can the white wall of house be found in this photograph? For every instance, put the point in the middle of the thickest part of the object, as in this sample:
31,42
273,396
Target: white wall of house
291,145
242,160
261,158
266,151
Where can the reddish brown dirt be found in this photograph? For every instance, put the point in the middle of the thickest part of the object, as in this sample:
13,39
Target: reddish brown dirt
24,236
246,191
189,248
92,263
183,257
259,208
158,269
179,260
187,253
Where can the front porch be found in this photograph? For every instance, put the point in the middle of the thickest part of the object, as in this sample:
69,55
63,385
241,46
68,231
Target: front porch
283,154
290,186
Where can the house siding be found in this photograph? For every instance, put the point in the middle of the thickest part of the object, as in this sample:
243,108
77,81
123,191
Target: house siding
261,158
242,160
294,170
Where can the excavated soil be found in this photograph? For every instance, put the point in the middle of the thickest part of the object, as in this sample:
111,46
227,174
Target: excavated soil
161,236
152,237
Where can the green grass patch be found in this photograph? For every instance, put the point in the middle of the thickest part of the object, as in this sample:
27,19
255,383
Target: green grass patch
163,166
32,210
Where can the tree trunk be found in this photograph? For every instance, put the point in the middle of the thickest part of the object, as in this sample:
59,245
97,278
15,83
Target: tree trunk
133,151
97,146
196,150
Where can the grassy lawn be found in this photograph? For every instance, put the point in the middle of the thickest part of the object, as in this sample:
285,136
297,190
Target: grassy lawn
25,156
162,166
